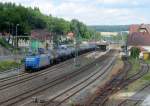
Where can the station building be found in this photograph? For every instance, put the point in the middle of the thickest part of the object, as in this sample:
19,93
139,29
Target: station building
103,46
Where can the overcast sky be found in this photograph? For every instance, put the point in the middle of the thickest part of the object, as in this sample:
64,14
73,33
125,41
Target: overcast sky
94,12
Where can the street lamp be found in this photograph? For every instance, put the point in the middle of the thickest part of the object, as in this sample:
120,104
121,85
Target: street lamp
12,25
16,35
17,29
95,42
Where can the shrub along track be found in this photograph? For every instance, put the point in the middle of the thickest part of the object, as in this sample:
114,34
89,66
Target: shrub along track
118,82
13,100
11,73
20,67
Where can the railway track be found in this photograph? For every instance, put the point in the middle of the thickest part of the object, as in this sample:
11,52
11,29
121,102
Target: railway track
30,77
20,78
100,96
115,85
68,93
20,70
24,74
135,102
30,93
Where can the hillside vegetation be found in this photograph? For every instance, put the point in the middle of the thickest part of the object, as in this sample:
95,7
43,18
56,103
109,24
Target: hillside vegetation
110,28
4,43
7,65
31,18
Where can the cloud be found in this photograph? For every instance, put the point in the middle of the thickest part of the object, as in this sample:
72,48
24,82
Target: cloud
124,3
111,1
94,12
91,14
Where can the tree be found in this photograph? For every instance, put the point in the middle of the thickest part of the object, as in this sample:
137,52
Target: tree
135,52
31,18
81,28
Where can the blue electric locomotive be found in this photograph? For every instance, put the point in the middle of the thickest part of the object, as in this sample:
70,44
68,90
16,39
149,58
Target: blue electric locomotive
36,62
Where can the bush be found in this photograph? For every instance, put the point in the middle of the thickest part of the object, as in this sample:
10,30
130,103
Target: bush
6,65
135,52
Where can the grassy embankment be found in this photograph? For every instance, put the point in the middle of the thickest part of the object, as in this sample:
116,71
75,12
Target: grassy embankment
147,61
133,87
140,82
7,65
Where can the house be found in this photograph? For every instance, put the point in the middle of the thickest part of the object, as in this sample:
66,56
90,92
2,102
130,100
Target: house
41,38
139,36
40,34
70,35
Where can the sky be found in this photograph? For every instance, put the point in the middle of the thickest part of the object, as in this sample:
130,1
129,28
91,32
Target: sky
94,12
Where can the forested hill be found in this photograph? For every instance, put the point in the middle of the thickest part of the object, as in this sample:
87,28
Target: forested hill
27,18
110,28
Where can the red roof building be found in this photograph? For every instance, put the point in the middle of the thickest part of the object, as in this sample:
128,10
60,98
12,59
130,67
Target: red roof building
41,35
71,35
139,35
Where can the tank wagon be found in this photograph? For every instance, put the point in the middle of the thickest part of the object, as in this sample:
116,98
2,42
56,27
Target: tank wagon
37,61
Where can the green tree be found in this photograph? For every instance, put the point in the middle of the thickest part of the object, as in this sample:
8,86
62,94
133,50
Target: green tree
135,52
31,18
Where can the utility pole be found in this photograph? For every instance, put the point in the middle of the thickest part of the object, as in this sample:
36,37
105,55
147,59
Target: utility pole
16,45
8,38
95,42
122,38
17,35
52,38
9,28
12,28
76,45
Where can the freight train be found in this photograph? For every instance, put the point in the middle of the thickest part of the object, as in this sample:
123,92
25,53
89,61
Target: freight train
35,62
